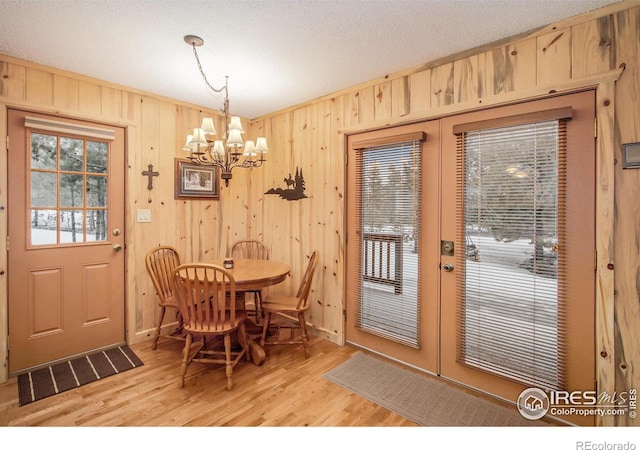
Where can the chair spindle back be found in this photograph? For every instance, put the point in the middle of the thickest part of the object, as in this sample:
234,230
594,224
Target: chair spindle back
305,283
161,262
249,249
206,297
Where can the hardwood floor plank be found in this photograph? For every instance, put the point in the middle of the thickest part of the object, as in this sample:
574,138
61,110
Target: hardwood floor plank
287,390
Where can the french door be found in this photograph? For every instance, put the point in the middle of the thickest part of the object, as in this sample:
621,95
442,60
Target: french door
505,248
401,323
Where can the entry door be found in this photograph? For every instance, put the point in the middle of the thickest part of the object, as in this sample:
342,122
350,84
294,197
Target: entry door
66,223
519,297
393,243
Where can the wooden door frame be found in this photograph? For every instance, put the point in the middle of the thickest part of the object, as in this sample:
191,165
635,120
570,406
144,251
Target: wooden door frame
129,313
605,88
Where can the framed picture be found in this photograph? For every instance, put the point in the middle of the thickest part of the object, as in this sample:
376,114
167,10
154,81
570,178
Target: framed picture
195,181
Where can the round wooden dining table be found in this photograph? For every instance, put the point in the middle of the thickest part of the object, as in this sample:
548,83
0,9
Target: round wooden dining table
253,275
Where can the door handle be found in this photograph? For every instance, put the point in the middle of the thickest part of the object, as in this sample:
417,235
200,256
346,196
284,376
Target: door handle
448,267
117,247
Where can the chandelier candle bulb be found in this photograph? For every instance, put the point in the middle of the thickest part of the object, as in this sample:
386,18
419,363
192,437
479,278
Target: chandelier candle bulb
218,148
261,145
198,140
235,124
208,127
187,145
249,149
235,138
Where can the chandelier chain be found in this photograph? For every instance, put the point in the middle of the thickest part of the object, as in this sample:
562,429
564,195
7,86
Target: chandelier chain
204,77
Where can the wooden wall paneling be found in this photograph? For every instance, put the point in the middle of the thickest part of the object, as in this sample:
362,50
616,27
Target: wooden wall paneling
442,86
554,57
520,65
604,313
319,223
129,105
299,234
276,230
309,234
4,285
627,209
494,75
465,79
400,101
366,108
136,288
261,203
382,102
285,217
162,156
331,292
507,69
351,102
312,229
12,81
39,87
168,206
419,86
90,100
591,44
65,93
196,230
235,206
259,182
143,238
111,102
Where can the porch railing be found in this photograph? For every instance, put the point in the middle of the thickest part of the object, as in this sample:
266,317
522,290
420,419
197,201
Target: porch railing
383,259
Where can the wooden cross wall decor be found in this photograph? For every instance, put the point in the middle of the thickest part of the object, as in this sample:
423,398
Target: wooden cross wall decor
150,173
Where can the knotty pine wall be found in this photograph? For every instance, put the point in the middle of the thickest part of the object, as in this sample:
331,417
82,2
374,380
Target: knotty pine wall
596,50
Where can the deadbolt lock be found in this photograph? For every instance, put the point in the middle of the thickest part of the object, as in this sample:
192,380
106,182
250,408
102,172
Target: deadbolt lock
116,232
448,267
446,248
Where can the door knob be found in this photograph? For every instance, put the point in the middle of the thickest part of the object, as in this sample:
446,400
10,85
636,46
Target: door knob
448,267
117,247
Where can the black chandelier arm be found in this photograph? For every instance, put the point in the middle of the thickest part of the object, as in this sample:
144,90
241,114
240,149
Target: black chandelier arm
226,165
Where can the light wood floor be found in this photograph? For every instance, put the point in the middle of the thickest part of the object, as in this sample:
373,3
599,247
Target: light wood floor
286,390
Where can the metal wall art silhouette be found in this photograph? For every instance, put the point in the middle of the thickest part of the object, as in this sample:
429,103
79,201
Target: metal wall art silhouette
294,189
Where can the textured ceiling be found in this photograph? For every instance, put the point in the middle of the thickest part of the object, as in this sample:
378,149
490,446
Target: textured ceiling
277,53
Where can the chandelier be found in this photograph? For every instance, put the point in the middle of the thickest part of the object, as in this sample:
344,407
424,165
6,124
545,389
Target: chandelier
231,152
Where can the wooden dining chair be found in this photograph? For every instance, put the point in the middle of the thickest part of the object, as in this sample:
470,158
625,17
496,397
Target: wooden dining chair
204,293
161,261
272,334
251,249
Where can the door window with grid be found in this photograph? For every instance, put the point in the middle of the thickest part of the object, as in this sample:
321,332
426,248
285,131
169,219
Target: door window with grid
68,185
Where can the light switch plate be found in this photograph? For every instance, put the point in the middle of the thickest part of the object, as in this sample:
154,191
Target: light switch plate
144,215
631,155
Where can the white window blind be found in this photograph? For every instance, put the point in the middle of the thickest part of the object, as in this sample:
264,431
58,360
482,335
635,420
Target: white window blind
388,186
511,315
69,128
